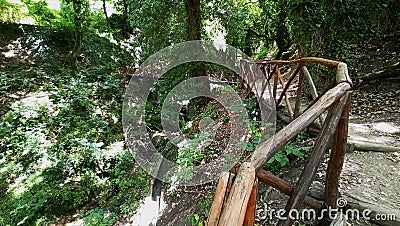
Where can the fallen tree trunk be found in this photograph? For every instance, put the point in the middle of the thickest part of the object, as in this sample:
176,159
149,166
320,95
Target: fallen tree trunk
370,146
352,143
389,72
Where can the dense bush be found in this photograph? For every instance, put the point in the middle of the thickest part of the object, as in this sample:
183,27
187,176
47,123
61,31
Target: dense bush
56,153
328,28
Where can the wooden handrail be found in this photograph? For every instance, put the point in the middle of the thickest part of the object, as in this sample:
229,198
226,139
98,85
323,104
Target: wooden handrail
236,206
266,150
326,62
342,74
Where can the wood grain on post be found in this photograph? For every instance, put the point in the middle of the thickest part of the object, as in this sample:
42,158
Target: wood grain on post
336,159
342,74
228,190
236,204
250,216
219,197
322,144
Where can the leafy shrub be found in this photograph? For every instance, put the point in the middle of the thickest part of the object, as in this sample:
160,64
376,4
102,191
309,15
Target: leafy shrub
98,217
199,218
54,156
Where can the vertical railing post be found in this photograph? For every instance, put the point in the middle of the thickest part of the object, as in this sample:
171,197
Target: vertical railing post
322,144
337,156
299,94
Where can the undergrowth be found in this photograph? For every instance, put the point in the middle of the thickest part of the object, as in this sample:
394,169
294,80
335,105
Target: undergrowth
61,141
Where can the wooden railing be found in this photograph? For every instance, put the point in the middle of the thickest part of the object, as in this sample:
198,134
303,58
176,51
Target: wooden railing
235,197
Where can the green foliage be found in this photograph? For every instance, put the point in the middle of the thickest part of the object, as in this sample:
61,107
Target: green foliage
256,131
199,219
160,22
98,217
241,20
55,153
190,155
196,220
320,28
281,157
69,181
328,28
9,12
256,126
261,53
160,91
40,12
209,111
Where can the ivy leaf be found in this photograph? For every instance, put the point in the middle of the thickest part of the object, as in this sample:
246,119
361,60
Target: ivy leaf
297,152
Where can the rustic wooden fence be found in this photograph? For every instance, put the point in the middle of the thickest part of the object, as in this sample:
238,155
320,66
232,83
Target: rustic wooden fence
235,198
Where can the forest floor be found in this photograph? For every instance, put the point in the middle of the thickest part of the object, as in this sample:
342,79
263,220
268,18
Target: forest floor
375,118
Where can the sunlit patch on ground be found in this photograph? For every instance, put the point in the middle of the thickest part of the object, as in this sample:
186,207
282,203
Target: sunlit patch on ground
382,133
387,127
30,105
148,212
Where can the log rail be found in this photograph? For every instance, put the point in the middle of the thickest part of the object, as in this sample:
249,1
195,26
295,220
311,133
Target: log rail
234,201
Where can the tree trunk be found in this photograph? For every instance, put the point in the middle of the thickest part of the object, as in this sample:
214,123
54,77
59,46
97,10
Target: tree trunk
105,13
282,34
193,19
193,15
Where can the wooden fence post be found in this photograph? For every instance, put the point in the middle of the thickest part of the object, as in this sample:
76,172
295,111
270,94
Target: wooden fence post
321,145
336,160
